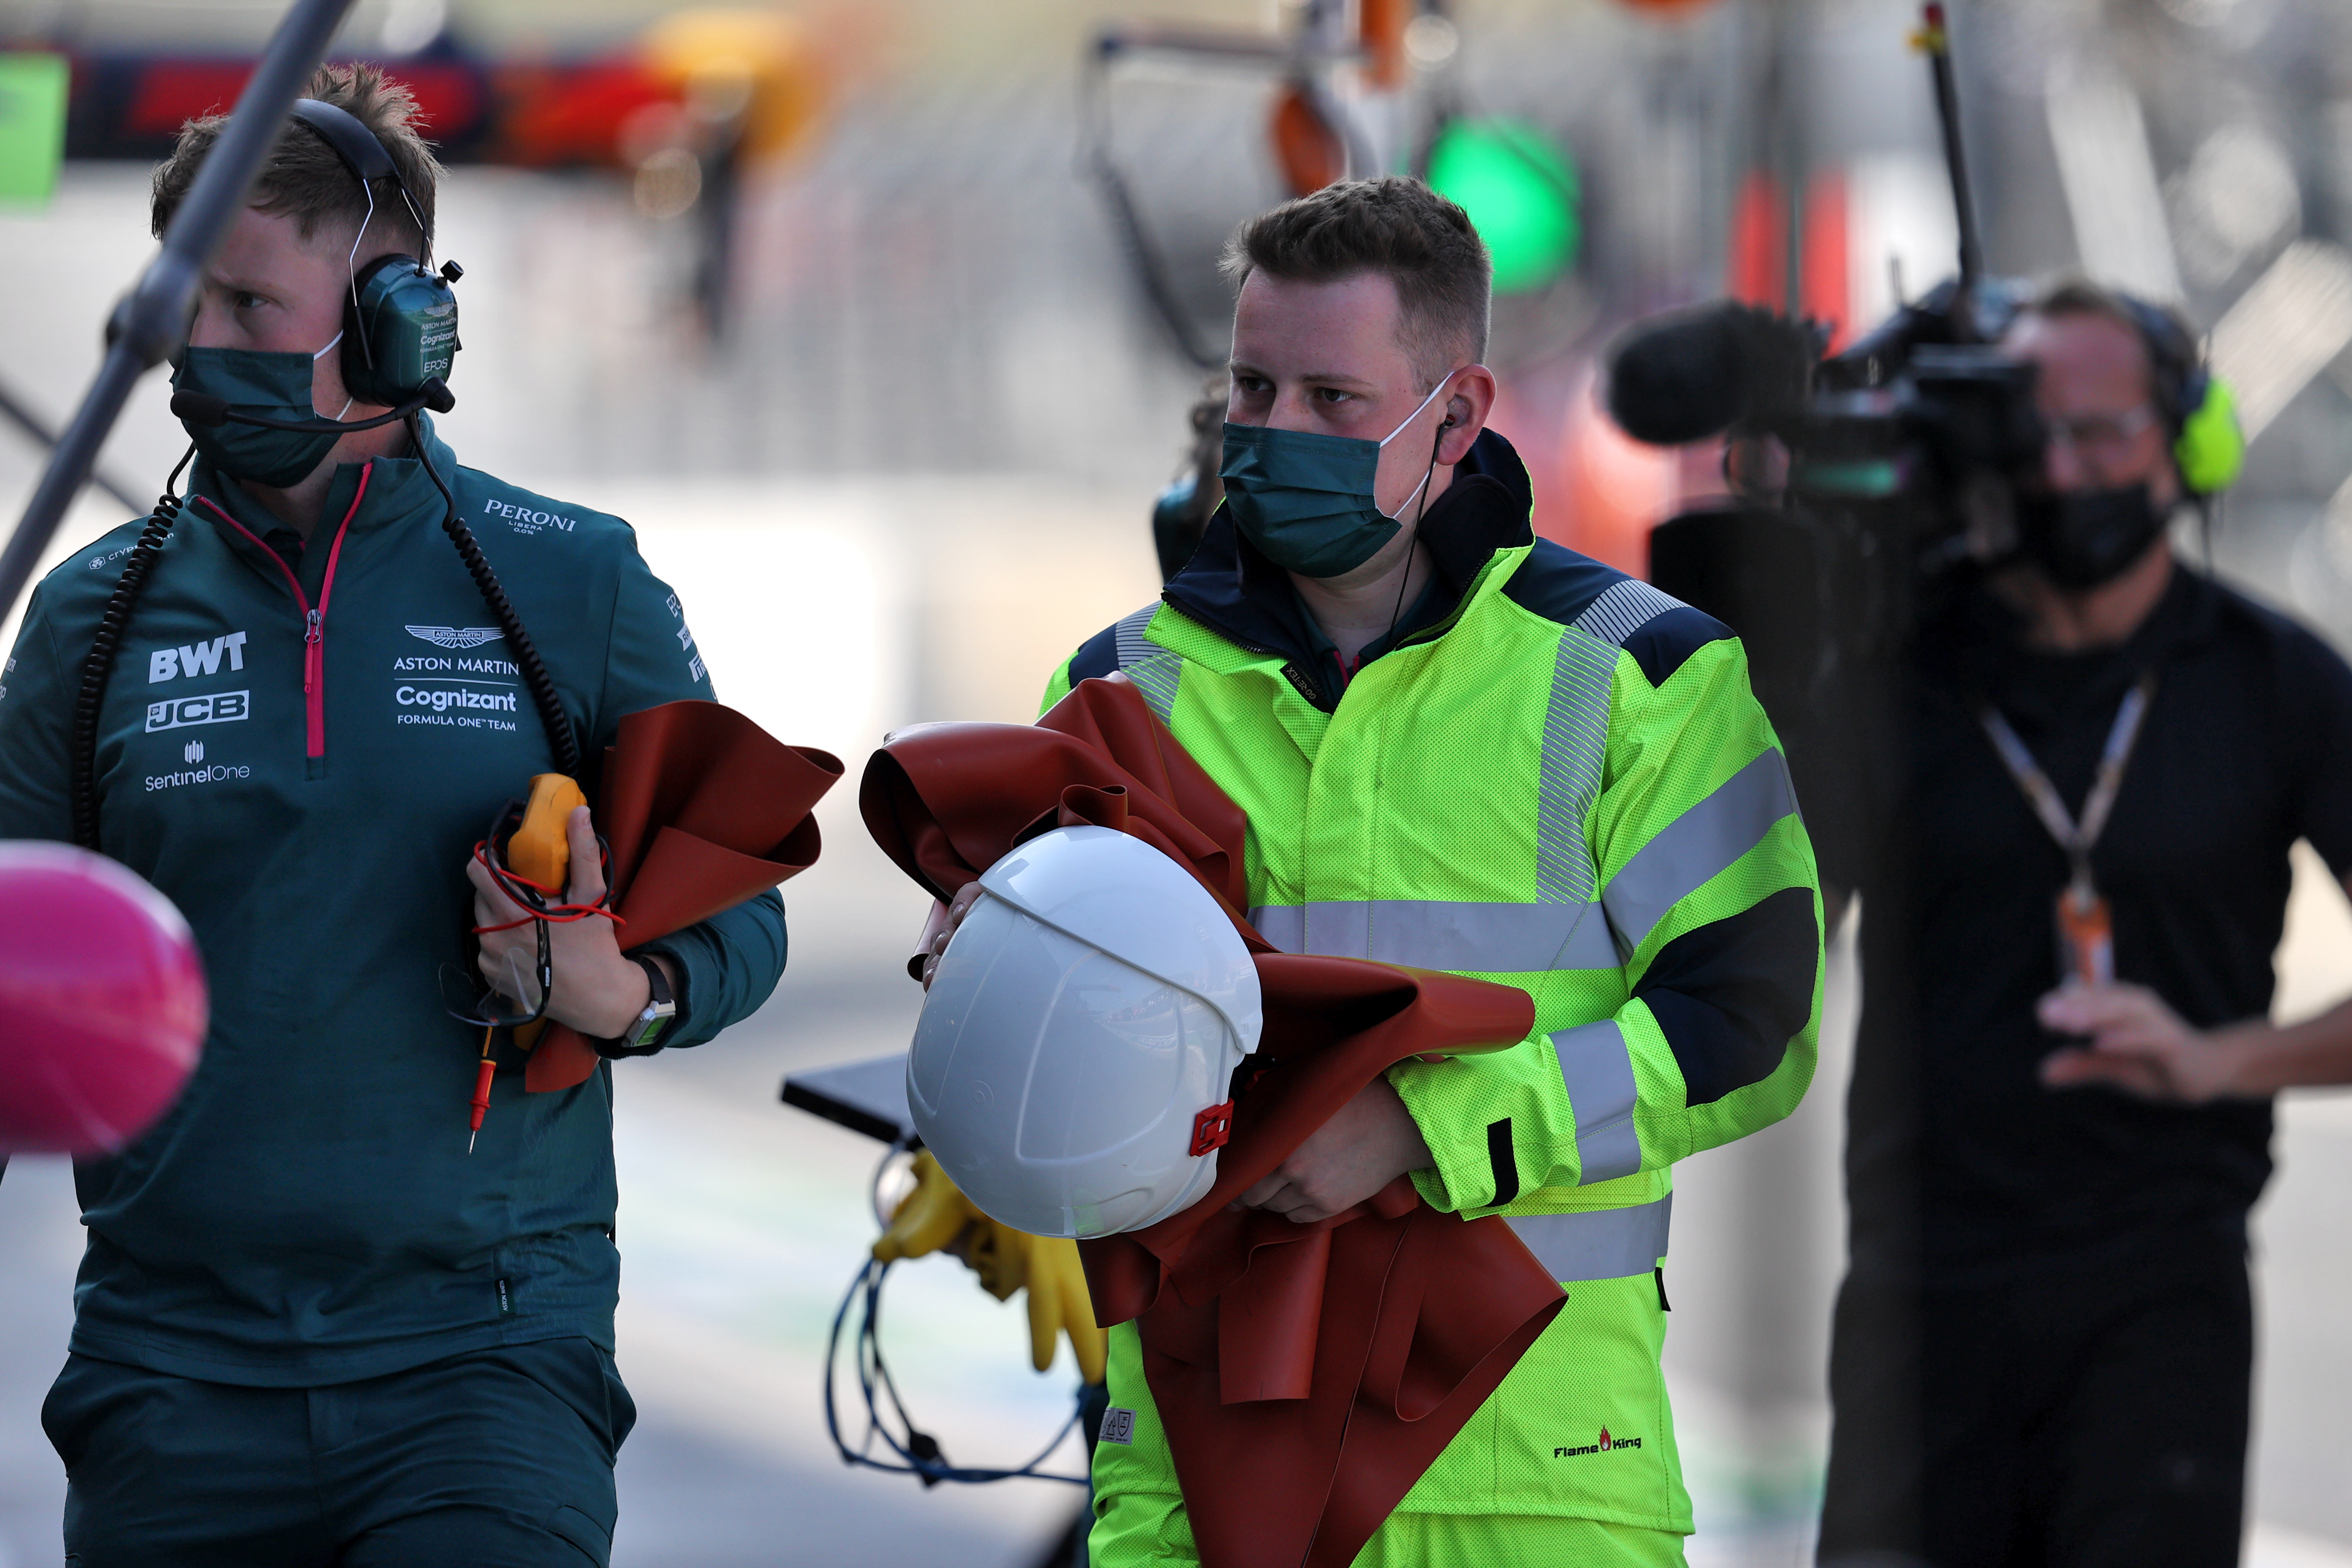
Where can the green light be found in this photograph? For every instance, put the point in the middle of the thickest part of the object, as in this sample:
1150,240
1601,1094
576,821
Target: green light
1520,189
32,124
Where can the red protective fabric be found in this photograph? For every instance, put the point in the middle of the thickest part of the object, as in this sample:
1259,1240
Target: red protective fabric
1306,1375
703,809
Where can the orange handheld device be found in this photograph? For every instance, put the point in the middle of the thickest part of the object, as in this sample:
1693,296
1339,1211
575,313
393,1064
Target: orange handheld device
539,851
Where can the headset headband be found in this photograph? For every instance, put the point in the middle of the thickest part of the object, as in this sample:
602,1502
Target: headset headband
361,150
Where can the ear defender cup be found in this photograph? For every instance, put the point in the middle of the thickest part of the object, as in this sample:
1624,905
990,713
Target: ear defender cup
2211,451
400,330
400,323
2197,408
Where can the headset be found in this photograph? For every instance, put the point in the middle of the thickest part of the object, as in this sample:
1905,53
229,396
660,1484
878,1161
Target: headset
400,336
2198,411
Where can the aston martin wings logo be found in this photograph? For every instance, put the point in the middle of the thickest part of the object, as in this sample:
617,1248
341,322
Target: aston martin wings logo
457,638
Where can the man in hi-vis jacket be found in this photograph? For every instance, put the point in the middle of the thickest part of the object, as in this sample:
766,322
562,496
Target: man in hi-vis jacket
1462,748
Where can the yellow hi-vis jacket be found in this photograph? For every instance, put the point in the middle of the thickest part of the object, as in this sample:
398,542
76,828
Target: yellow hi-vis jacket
1551,775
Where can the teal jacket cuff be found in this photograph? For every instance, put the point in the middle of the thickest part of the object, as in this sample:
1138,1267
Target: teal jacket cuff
728,966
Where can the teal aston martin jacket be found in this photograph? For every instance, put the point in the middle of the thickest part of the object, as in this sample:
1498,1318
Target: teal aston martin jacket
300,752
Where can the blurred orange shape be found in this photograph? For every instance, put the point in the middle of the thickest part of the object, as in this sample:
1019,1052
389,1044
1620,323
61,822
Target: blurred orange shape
726,62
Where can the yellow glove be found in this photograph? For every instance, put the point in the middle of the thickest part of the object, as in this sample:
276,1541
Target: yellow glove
936,1216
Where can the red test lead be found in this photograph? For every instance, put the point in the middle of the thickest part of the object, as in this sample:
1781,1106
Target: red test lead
481,1093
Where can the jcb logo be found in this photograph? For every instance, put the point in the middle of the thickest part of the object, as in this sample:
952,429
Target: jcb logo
220,708
197,658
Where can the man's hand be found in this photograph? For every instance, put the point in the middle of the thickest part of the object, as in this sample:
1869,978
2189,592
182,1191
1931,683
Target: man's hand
940,928
1369,1142
2137,1043
596,991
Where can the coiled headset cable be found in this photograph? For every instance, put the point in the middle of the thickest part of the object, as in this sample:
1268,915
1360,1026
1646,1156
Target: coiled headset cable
103,648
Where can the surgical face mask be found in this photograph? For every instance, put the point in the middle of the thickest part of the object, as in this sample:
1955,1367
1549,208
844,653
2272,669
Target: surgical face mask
2080,539
1305,500
255,381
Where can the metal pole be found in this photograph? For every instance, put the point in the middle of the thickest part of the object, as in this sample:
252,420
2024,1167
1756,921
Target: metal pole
14,410
1935,39
152,320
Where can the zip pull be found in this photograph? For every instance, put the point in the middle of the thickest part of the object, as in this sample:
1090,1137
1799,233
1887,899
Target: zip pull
310,619
314,639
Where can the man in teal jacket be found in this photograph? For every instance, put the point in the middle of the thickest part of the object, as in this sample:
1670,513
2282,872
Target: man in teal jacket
312,1326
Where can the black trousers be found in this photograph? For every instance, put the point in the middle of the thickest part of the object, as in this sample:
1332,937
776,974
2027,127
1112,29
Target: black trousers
2083,1416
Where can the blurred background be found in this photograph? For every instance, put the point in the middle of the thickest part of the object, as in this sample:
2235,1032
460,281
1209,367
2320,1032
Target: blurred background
882,319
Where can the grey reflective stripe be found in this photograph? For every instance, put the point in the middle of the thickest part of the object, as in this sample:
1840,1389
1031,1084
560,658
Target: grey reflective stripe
1597,1244
1575,733
1596,1069
1624,609
1491,939
1154,669
1697,846
1128,638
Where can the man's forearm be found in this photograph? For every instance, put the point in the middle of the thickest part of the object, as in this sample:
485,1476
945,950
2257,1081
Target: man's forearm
2264,1059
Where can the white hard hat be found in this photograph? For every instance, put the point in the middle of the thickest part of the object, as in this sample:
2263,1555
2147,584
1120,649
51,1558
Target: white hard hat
1080,1036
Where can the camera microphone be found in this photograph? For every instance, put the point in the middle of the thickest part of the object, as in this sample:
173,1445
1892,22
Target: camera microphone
1689,375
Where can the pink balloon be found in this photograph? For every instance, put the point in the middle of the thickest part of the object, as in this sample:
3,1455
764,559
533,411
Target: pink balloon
102,1004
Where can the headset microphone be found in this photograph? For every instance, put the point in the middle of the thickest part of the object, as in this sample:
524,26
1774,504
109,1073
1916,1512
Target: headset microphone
203,408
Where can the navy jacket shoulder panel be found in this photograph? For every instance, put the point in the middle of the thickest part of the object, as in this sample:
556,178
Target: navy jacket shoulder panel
1097,656
1561,585
1660,647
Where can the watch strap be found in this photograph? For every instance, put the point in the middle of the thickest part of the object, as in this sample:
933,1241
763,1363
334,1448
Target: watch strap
645,1034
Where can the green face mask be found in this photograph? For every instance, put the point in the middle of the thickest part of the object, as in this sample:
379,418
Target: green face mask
255,381
1305,501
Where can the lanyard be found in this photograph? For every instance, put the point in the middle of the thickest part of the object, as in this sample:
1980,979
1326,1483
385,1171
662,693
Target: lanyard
2075,838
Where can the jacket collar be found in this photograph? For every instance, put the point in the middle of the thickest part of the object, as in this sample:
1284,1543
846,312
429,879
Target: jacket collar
1231,589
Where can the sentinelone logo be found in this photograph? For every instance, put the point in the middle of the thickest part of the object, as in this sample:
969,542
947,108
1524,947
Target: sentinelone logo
1603,1445
194,752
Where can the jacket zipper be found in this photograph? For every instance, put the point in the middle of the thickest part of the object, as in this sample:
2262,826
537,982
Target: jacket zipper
314,619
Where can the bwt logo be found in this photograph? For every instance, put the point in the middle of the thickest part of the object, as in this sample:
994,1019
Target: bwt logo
193,751
220,708
197,658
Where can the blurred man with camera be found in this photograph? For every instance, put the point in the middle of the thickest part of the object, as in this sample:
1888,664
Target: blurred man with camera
2060,1114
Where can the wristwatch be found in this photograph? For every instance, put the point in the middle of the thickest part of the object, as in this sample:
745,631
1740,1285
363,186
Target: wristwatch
642,1036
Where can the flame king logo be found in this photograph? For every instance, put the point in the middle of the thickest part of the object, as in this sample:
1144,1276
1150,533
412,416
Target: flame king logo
1604,1443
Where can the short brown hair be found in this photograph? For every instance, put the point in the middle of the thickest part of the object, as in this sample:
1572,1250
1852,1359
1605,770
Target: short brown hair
2165,336
305,178
1399,229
